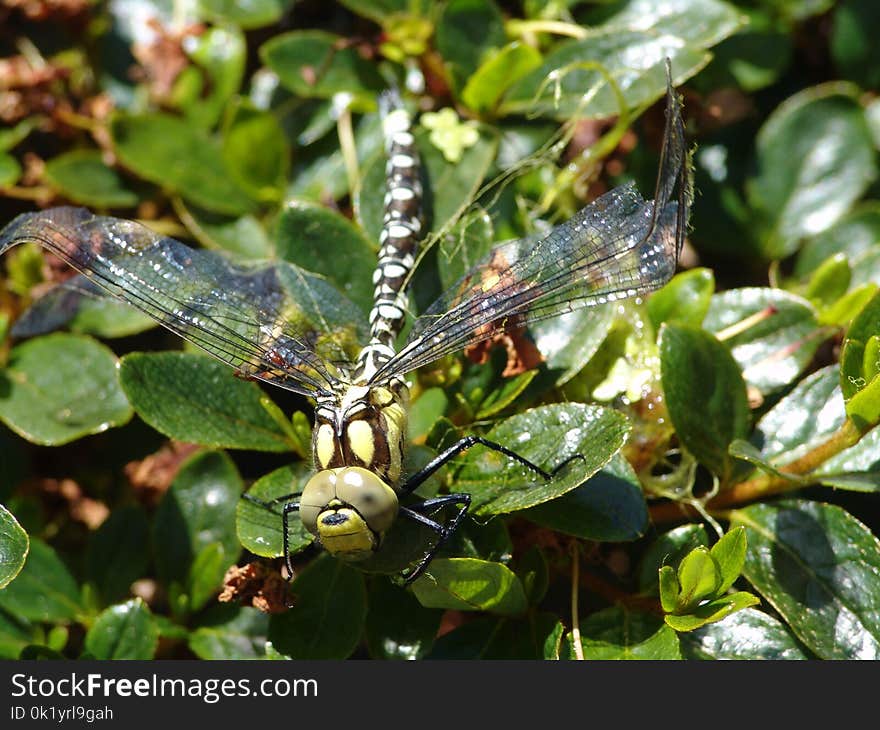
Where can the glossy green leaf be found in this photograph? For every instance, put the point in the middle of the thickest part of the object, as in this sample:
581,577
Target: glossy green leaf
252,14
82,176
684,300
631,47
230,632
198,510
569,341
466,32
221,54
61,387
313,63
608,507
617,633
830,281
498,399
816,565
206,572
772,334
546,436
398,627
328,615
124,631
425,411
711,611
13,547
194,398
485,87
256,152
44,589
696,368
856,236
117,553
302,231
809,415
260,529
815,159
468,584
669,588
699,578
244,235
181,158
860,462
746,634
860,366
530,637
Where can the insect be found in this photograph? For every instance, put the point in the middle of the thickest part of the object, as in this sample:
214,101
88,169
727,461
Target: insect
281,325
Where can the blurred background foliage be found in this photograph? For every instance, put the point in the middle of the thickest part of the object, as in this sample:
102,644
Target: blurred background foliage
740,400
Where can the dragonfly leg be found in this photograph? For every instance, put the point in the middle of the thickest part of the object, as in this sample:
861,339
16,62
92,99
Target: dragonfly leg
444,532
270,503
416,479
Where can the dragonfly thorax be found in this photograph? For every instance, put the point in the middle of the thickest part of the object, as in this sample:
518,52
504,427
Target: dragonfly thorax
348,509
365,426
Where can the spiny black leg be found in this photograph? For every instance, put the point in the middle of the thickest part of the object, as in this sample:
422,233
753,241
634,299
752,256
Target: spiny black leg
559,467
270,503
416,479
285,522
444,531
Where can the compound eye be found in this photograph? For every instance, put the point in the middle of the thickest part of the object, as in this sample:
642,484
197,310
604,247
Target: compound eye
320,490
374,500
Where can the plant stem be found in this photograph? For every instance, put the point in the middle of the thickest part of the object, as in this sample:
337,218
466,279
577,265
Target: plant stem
575,587
765,485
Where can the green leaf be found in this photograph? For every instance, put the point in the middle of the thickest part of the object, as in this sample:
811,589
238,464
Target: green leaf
12,136
61,387
830,281
220,52
315,64
855,235
181,158
10,170
230,632
206,574
668,549
808,416
608,507
44,589
631,47
772,334
256,152
684,300
534,573
117,553
617,633
569,341
328,616
468,584
195,512
729,554
485,87
15,635
302,231
194,398
466,32
244,235
546,436
252,14
746,634
816,565
815,159
260,529
711,611
397,625
696,368
13,547
125,631
699,578
670,590
82,176
860,366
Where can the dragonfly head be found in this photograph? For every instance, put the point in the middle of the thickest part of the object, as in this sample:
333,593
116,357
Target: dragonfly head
349,509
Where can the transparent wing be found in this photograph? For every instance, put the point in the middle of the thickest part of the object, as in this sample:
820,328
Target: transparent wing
618,246
271,321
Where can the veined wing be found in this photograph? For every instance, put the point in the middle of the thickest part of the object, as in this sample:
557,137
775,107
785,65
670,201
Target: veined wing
618,246
271,321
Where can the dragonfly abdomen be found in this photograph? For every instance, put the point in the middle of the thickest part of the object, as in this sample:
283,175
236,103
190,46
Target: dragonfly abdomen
398,240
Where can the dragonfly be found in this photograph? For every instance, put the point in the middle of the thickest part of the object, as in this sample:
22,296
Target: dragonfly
279,324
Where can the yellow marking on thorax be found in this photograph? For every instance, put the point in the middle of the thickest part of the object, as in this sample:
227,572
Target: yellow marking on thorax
394,415
325,445
360,439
